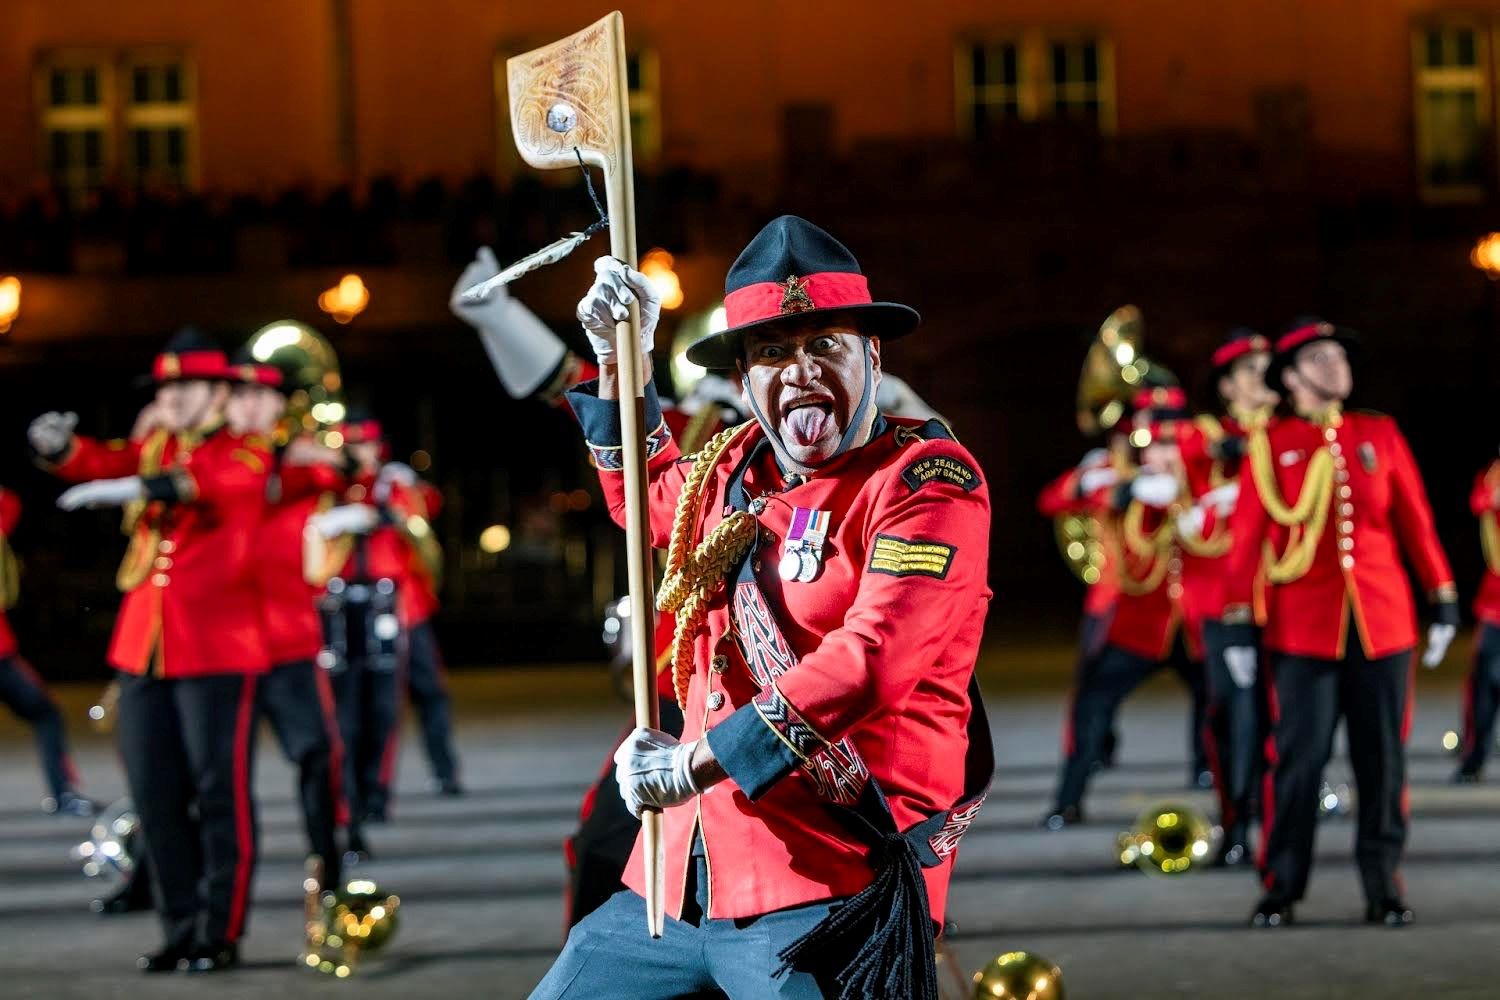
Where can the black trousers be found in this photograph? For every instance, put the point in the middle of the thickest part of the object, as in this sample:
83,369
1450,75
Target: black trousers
1311,695
367,701
427,686
1481,700
298,700
606,834
1102,690
186,745
1235,733
23,693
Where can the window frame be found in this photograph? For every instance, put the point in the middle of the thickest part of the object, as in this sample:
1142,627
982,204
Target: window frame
99,117
1425,79
182,114
1034,85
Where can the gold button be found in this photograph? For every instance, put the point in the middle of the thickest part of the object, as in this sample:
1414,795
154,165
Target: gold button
1347,562
1329,434
167,546
1346,544
356,493
160,579
1346,509
716,701
1345,528
1174,564
162,562
1345,493
1340,475
1174,591
719,664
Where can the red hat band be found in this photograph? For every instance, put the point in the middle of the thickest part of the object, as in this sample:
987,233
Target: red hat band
768,299
363,431
1293,339
1165,397
1236,349
190,365
266,375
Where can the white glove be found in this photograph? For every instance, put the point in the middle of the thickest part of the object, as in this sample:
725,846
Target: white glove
521,349
1243,662
52,432
1155,489
1190,522
1222,499
654,770
1439,638
897,399
1094,480
392,473
349,519
103,493
608,301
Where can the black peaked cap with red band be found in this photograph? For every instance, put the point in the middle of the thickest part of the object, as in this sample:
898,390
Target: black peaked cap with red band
792,272
1237,343
1298,335
1159,409
189,354
245,370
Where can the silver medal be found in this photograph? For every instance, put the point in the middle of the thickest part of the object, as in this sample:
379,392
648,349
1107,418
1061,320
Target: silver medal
808,570
791,565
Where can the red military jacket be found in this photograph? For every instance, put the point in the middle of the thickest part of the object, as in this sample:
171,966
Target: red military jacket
1483,501
1377,511
884,640
289,613
10,514
1206,473
390,554
1062,497
1161,591
191,606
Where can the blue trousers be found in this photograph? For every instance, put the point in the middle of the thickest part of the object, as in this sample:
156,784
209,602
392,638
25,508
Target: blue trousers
609,954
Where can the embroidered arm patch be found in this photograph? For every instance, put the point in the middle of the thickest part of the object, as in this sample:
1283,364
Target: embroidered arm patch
940,469
899,557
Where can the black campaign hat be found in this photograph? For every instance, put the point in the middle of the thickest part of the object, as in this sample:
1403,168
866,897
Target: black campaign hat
1298,335
189,354
1237,343
790,272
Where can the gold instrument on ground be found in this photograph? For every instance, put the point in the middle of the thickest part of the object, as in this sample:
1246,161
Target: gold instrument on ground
1019,975
315,388
345,925
1168,839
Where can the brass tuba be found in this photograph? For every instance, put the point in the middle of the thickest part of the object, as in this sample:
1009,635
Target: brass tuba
315,388
1168,839
344,925
1113,370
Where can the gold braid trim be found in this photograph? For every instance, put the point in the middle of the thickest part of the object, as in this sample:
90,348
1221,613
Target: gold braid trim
692,578
1305,520
136,565
1489,540
1156,547
1214,546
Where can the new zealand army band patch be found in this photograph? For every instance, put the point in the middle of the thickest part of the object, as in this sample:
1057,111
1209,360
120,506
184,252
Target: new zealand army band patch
940,469
898,557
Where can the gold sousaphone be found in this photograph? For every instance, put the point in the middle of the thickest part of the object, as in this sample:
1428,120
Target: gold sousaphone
315,387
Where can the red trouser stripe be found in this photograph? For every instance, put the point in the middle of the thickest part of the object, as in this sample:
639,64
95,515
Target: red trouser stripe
244,828
327,706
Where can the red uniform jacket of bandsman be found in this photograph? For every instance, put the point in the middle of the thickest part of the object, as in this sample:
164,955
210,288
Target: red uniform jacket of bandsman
10,514
1146,624
882,659
1204,474
293,627
1379,510
391,555
1484,503
1061,498
191,606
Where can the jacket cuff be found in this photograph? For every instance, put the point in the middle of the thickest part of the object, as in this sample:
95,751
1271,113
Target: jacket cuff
600,420
170,487
1445,611
751,752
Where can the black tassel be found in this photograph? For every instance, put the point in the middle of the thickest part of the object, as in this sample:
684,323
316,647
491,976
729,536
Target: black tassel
883,936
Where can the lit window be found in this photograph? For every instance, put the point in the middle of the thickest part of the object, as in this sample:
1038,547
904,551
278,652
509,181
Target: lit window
1452,111
1033,75
158,120
73,92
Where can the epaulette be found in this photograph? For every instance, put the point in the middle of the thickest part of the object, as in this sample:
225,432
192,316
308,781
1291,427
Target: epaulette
935,429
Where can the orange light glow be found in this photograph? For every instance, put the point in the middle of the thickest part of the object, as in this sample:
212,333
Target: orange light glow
657,265
10,301
1486,255
345,300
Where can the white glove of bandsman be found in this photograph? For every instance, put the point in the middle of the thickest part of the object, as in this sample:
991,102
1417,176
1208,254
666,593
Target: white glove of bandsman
103,493
349,519
1155,489
1439,638
654,770
522,350
52,433
608,302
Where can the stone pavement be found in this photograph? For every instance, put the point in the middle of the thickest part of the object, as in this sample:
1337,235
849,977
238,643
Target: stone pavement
481,877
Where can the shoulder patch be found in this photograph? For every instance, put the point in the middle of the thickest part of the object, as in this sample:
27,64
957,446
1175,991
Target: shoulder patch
895,556
941,469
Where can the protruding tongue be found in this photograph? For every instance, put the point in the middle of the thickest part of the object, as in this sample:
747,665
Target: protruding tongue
806,424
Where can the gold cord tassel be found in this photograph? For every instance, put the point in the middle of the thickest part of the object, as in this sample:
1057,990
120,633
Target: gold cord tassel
693,577
1306,519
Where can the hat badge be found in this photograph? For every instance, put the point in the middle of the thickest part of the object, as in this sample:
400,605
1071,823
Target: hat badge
171,367
794,297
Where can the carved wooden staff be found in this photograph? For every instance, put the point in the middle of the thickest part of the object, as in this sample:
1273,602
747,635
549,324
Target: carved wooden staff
571,99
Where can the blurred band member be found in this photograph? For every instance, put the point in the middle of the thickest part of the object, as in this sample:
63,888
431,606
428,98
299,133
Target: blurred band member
1482,693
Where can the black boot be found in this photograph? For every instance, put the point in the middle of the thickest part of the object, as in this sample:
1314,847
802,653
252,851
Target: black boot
214,957
1392,912
1232,849
1061,817
169,959
1271,913
131,898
